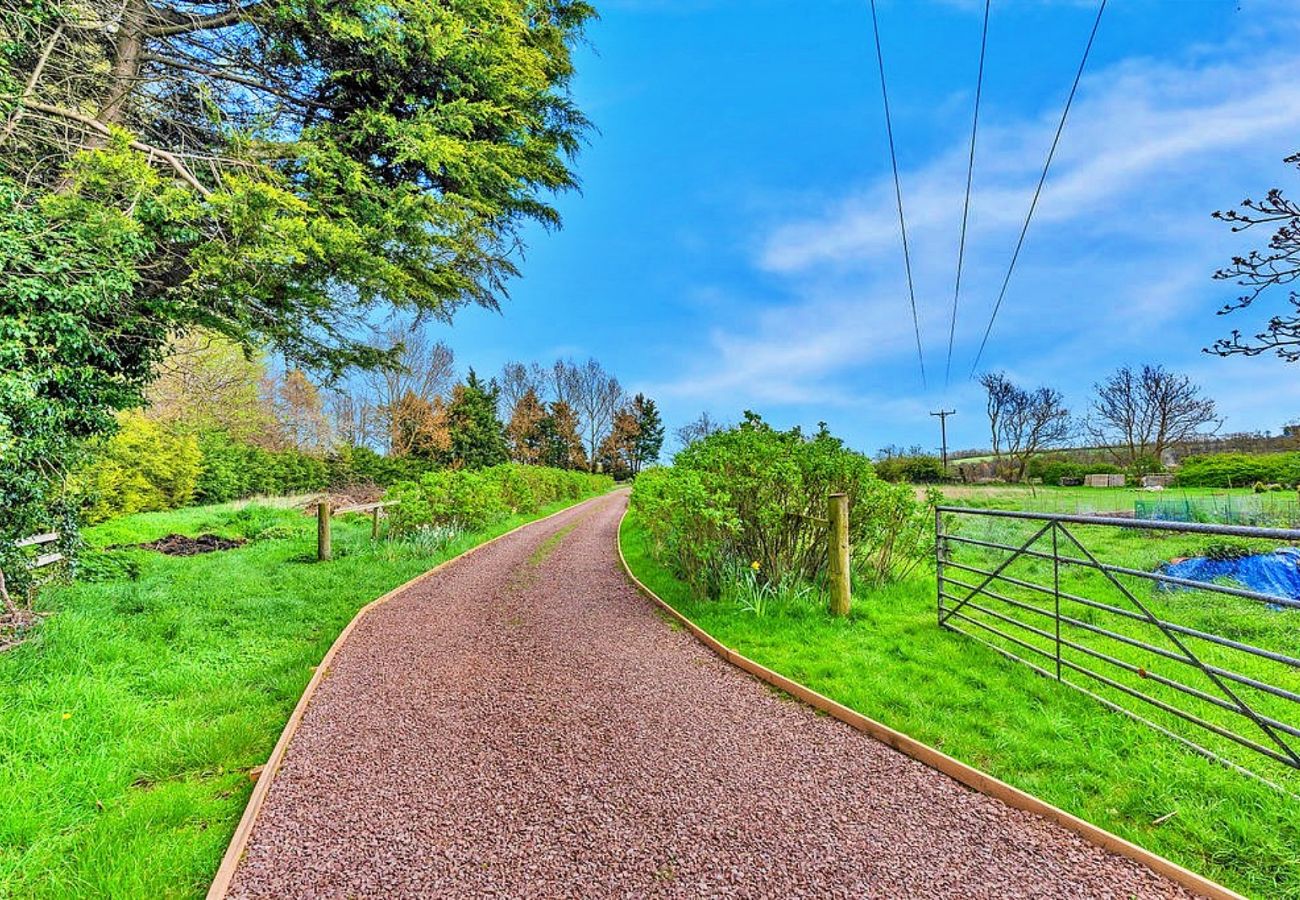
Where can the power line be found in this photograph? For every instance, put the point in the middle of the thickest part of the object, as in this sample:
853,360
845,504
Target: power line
1037,191
965,210
898,195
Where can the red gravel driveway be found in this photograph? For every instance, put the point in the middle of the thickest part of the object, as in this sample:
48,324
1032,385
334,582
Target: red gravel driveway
525,724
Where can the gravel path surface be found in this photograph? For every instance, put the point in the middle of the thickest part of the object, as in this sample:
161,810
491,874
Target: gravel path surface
526,725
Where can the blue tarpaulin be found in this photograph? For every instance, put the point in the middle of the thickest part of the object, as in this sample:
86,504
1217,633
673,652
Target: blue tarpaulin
1276,574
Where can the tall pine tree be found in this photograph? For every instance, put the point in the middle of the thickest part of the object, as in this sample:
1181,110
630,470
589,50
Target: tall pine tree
476,436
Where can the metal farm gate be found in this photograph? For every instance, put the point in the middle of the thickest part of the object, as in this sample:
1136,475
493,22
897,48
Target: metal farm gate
1212,665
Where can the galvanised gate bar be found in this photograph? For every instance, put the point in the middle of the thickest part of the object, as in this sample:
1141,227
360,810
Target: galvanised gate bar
1212,665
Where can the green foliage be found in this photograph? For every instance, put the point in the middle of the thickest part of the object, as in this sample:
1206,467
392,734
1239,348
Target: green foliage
1238,470
649,441
143,467
76,344
1226,551
477,438
231,470
753,494
466,499
912,469
394,156
362,465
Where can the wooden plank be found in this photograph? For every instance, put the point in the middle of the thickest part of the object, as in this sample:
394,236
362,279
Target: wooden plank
367,507
47,559
38,539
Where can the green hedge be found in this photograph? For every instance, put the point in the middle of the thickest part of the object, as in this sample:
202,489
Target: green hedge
1239,470
231,470
146,467
470,499
912,469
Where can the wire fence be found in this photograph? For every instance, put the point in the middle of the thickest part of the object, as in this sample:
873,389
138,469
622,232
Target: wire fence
1083,600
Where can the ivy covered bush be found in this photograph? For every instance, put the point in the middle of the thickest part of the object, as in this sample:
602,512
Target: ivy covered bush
466,499
756,497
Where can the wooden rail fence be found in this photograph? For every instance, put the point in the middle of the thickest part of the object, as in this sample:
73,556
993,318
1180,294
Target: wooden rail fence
325,511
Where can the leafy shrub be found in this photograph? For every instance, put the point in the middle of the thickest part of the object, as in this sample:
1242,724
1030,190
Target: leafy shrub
361,465
467,500
225,470
756,494
912,469
142,468
1238,470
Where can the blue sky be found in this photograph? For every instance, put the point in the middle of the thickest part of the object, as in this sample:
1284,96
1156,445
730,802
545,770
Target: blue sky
735,244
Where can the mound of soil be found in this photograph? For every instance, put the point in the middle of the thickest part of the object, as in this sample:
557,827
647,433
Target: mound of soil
180,545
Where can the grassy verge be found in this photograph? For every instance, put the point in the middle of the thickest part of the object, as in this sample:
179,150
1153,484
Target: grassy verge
128,724
890,661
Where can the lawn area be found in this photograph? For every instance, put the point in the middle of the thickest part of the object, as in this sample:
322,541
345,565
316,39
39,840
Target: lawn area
129,722
891,661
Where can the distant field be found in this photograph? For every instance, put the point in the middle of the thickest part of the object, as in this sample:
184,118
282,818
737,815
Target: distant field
1100,501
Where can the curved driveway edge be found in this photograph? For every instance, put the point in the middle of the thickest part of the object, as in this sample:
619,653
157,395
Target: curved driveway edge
521,723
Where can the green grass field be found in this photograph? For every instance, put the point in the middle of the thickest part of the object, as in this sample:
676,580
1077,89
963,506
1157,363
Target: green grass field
1275,507
129,722
891,661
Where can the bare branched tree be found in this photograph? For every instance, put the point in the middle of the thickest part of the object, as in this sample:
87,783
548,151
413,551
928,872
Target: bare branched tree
1023,423
698,429
355,419
597,398
1000,391
560,383
514,382
1278,265
1141,413
425,370
1034,421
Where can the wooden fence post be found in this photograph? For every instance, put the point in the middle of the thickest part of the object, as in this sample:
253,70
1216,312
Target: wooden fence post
838,538
323,551
374,525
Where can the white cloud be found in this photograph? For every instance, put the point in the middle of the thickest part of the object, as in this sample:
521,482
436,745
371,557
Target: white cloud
1117,261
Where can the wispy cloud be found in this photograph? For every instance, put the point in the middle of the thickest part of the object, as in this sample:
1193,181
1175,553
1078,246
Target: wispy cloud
1117,263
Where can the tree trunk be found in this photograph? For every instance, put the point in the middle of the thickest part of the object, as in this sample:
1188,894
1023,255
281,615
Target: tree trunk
128,52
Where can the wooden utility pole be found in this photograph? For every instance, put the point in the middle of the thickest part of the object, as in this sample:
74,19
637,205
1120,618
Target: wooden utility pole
838,570
323,550
943,415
